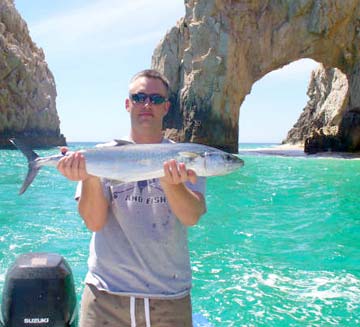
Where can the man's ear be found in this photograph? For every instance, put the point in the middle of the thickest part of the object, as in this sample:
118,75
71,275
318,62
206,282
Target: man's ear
127,105
167,107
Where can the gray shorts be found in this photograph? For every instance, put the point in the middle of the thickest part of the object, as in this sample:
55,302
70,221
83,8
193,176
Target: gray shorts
99,308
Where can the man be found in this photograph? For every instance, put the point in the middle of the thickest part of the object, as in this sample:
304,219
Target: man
139,270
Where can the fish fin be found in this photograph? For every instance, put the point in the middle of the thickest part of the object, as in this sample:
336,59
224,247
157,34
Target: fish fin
113,143
27,152
190,155
31,156
122,142
114,182
32,172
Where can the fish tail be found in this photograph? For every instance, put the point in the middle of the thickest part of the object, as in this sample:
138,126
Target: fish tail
33,168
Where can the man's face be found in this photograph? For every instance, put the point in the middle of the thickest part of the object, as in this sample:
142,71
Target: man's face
147,115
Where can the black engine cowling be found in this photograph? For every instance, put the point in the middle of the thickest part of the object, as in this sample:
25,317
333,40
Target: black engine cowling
39,292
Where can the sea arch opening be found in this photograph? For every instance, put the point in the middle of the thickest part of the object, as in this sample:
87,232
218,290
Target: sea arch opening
275,103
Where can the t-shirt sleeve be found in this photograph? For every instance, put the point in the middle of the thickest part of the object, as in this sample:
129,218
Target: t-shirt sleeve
78,191
199,186
105,186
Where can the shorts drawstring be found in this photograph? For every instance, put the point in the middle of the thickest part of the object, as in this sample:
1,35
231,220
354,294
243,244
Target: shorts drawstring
147,311
132,311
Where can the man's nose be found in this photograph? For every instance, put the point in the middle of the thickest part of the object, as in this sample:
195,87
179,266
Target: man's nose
147,102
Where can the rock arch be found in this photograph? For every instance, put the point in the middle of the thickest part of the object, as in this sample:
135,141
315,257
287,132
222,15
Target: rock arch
222,47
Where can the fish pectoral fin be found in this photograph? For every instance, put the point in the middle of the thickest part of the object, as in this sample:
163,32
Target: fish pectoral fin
114,182
122,142
189,155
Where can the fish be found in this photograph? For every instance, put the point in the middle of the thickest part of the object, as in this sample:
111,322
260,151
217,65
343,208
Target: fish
127,162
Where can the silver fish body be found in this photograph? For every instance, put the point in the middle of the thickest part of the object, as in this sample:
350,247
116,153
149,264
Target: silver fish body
135,162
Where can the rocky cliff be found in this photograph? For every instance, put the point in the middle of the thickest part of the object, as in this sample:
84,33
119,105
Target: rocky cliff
27,87
331,119
318,125
222,47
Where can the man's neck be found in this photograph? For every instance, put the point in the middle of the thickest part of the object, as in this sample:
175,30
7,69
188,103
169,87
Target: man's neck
146,139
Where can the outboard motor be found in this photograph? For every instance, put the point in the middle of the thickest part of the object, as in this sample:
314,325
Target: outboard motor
39,292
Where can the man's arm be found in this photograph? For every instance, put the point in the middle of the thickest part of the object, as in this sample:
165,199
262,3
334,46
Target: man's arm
187,205
92,205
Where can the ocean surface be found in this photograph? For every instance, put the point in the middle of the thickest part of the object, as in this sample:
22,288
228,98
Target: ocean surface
279,245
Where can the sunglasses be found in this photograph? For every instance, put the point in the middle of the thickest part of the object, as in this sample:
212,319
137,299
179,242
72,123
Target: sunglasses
141,98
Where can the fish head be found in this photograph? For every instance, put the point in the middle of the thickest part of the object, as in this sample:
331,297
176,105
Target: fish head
208,161
221,163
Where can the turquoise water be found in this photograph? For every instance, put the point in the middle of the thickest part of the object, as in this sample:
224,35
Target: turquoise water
279,246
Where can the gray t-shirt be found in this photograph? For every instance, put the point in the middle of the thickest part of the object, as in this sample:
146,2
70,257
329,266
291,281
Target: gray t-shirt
143,249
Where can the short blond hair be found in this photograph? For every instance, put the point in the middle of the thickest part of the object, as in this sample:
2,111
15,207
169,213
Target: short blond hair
152,73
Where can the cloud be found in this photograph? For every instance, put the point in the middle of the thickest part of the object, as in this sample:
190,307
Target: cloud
94,17
107,24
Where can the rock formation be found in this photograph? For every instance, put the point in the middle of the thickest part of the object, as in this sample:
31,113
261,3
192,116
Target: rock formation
222,47
319,126
27,87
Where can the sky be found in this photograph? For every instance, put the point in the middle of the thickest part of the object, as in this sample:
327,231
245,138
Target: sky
94,47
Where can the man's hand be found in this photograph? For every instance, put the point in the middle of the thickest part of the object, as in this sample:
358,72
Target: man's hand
73,166
92,205
187,205
176,173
